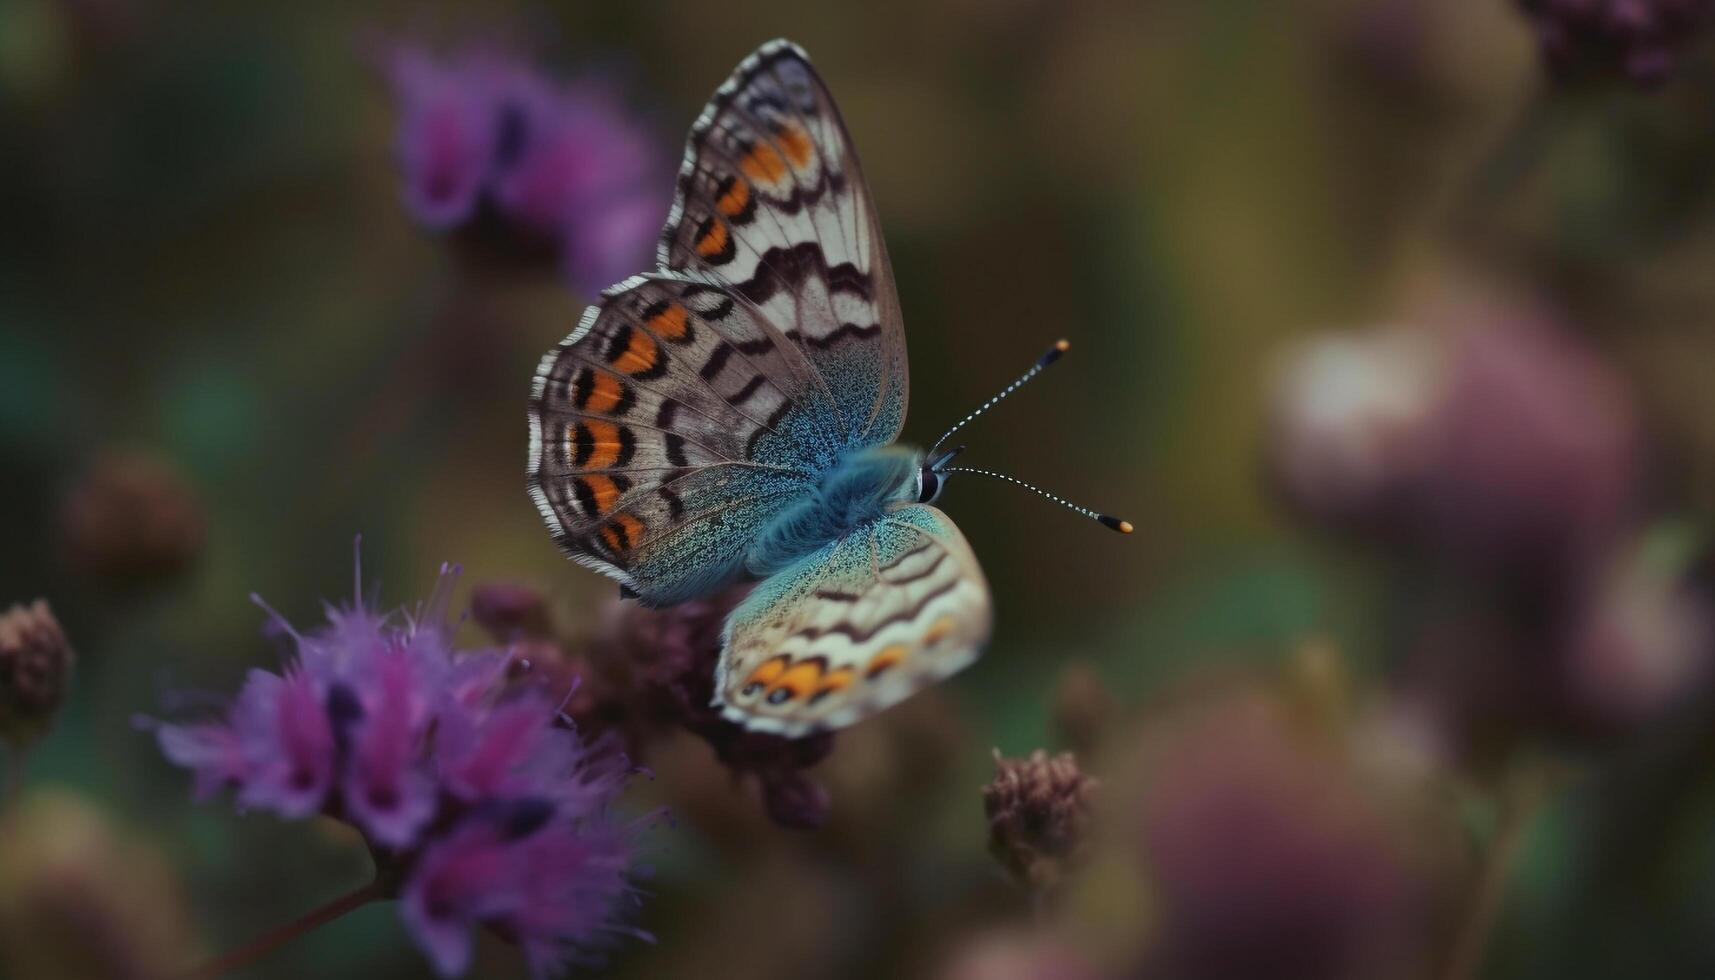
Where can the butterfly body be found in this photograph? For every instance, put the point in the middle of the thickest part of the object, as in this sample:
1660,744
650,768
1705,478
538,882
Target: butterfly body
856,492
734,413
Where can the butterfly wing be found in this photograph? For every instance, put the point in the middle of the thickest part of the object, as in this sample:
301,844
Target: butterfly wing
855,627
668,429
771,198
692,404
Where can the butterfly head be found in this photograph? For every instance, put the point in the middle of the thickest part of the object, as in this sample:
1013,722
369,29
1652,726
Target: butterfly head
932,477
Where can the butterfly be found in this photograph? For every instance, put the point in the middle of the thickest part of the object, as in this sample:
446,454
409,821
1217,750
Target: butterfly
733,413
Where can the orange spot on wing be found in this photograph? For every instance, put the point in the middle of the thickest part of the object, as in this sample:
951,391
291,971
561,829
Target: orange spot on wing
610,534
767,671
733,201
939,630
670,322
713,240
799,149
888,657
633,526
603,490
622,533
763,163
639,355
606,443
835,682
605,393
799,679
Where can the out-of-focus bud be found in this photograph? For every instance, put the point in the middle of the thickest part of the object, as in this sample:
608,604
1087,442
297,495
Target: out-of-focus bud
796,801
1639,40
35,671
1018,956
1351,425
1537,460
1039,811
1082,707
661,662
80,898
1498,444
132,519
1271,856
1644,640
508,610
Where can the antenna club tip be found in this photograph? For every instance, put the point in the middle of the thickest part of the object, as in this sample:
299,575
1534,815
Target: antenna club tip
1123,527
1062,345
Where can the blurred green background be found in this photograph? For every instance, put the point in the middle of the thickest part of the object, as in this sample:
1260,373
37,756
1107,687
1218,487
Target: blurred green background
205,259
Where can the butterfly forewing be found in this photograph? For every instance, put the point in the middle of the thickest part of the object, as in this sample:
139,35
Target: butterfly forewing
856,627
771,197
667,429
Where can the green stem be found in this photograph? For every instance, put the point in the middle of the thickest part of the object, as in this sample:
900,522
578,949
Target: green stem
265,944
1522,803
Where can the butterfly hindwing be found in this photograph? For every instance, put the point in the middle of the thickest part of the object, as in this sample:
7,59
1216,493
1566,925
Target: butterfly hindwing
855,627
771,198
667,430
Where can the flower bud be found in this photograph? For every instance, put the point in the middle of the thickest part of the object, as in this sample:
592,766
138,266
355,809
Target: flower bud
132,519
1039,811
508,610
1082,707
35,671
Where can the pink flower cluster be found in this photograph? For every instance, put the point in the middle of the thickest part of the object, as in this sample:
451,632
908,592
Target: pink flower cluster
482,134
478,803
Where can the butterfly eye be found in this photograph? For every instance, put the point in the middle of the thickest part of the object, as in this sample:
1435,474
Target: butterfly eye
928,486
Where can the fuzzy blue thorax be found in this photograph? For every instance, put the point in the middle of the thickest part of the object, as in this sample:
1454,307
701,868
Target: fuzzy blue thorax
857,490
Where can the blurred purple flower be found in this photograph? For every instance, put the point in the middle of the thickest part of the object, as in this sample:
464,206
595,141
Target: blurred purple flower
545,886
481,132
448,134
1637,39
479,806
1500,443
1269,857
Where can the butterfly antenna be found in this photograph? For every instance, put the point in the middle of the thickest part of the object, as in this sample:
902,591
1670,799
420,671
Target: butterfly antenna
1053,354
1106,520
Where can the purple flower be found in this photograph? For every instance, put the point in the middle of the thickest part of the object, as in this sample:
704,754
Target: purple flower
1271,856
536,885
481,807
286,743
448,132
482,133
